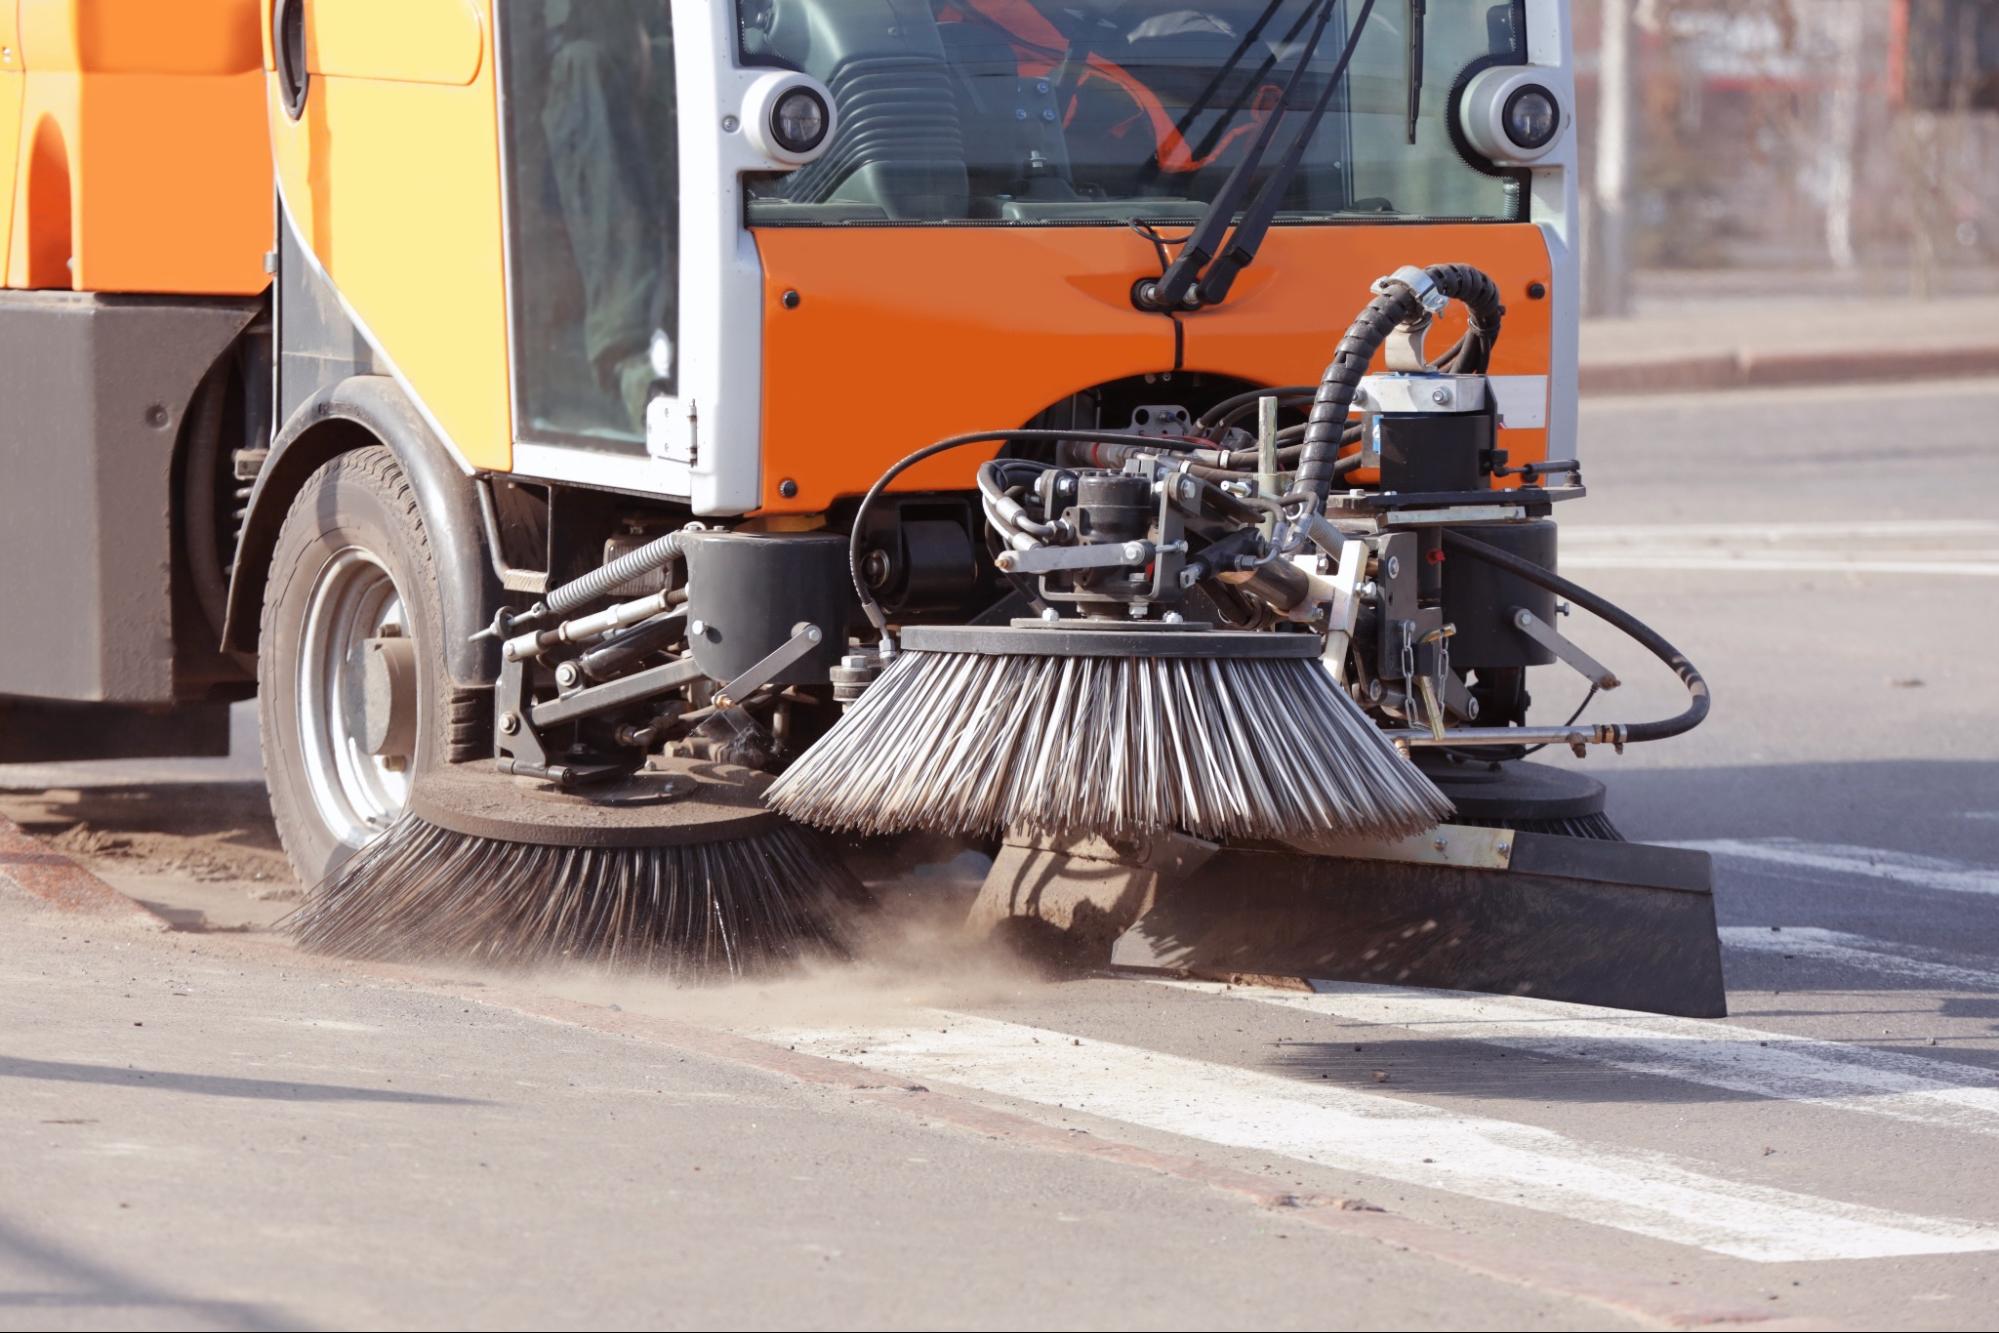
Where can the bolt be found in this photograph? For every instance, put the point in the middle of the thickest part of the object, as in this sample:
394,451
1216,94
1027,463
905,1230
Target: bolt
697,629
1360,397
1472,709
875,568
791,298
509,723
568,675
1524,619
788,489
730,124
1374,691
1175,618
1393,566
1441,845
1050,615
1441,397
1133,551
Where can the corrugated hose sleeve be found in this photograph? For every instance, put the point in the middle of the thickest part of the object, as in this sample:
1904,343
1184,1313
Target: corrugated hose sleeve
1617,616
1397,305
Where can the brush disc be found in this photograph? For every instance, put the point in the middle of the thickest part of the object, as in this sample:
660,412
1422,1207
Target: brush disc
1116,730
682,872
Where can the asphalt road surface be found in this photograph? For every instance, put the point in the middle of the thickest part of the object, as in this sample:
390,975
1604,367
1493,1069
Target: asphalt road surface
200,1129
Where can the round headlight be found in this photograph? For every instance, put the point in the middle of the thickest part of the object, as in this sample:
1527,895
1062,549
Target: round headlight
798,120
1531,117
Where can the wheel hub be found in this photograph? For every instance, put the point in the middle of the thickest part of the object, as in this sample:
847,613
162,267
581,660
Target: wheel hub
357,696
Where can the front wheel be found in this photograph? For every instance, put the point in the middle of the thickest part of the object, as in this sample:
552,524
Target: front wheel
352,697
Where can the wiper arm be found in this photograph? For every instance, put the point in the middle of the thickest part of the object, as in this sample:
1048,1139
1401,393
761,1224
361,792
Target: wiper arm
1199,105
1418,11
1171,290
1255,225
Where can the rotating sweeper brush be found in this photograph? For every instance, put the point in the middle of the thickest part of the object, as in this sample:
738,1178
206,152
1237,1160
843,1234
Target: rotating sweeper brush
621,817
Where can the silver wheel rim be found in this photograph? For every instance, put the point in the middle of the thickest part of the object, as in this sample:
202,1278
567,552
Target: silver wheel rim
355,793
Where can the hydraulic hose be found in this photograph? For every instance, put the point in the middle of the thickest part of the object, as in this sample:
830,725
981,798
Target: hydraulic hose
856,541
1395,305
1697,690
579,593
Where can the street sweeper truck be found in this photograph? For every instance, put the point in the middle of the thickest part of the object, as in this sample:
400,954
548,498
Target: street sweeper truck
639,452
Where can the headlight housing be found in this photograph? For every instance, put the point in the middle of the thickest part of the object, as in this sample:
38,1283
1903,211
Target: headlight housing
1514,115
788,118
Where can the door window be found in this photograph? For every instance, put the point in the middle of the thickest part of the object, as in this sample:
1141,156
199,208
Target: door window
593,197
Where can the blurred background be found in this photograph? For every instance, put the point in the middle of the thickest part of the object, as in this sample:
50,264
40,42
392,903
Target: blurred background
1813,150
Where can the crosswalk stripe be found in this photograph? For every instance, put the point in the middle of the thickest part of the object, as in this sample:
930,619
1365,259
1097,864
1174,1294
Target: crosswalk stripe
1378,1135
1858,952
1765,534
1681,562
1921,872
1774,1065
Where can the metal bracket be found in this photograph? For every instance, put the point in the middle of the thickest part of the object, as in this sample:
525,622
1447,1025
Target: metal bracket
805,636
635,688
1055,559
1343,611
1541,632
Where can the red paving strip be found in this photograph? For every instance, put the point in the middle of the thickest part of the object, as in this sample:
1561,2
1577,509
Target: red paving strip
40,871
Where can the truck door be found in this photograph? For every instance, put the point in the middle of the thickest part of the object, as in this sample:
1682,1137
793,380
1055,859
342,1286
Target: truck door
383,121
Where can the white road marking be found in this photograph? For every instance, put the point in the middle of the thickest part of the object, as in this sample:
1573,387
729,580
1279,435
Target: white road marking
1921,547
1919,872
1752,564
1774,1065
1859,952
1767,533
1369,1134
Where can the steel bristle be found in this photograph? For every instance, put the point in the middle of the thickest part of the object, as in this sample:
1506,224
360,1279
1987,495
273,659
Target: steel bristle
702,911
1220,748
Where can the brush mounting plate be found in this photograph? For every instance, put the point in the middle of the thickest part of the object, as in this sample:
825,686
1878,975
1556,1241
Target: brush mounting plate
1107,638
685,802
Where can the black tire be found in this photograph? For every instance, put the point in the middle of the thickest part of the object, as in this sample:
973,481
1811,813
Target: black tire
360,502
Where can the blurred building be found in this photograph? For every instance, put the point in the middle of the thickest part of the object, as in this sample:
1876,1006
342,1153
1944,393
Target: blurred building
1860,136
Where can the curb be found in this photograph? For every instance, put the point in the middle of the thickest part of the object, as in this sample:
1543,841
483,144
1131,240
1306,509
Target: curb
37,870
1747,369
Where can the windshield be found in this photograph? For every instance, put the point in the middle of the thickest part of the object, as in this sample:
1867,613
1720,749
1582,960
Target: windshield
1048,112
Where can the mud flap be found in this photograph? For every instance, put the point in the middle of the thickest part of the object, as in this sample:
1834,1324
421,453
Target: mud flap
1619,924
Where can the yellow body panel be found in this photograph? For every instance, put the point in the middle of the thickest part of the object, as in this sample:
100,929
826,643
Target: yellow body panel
393,185
409,41
140,163
12,88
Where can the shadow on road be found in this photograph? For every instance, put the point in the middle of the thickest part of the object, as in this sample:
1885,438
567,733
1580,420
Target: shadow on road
217,1085
1470,1068
79,1284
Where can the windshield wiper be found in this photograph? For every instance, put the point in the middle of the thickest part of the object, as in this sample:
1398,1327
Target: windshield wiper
1418,11
1171,290
1255,225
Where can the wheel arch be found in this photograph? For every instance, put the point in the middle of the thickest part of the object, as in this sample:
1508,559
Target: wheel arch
356,413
